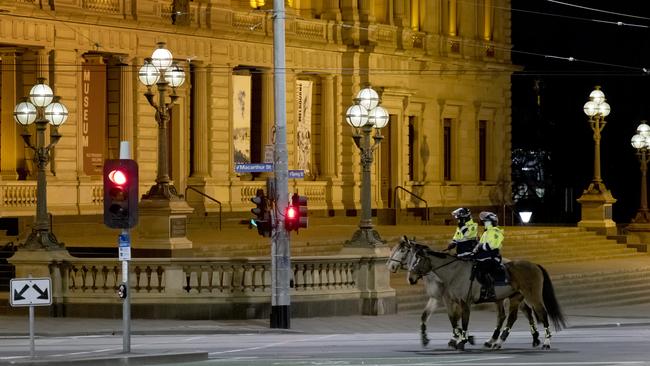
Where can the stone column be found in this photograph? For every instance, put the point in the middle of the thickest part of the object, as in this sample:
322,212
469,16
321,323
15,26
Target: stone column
268,116
9,127
200,125
398,13
367,11
487,21
331,10
350,10
127,74
452,31
328,142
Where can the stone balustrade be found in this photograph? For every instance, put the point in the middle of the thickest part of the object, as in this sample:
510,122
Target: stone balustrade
209,288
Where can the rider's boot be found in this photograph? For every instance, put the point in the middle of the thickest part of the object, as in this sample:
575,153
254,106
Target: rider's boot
487,291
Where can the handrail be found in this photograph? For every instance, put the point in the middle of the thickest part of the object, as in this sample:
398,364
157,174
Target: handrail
206,196
426,204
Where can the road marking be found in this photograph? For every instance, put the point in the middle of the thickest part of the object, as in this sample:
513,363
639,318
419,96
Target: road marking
85,352
272,345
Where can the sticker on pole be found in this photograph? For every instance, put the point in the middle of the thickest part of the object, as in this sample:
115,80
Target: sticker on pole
30,291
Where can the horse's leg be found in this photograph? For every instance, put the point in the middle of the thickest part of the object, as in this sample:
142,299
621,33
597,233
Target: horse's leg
512,317
501,317
453,311
465,324
540,313
531,321
431,306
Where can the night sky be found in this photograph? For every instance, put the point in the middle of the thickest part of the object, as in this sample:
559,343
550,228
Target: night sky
614,57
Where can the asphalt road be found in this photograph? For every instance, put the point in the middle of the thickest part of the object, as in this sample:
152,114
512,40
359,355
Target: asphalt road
629,345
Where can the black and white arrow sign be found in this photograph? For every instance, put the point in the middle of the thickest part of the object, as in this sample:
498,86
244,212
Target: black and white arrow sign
30,292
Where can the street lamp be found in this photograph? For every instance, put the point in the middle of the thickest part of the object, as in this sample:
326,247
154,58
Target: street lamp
42,107
597,109
641,142
160,69
363,116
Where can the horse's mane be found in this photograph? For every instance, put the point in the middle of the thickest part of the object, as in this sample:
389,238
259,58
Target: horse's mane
425,248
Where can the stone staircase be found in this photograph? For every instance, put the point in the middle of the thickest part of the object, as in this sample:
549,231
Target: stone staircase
586,269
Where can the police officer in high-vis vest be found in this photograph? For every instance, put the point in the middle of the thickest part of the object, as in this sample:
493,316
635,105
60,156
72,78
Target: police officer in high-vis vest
488,253
466,235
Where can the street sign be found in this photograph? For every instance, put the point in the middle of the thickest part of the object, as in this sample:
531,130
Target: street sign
254,168
269,150
124,249
30,292
296,174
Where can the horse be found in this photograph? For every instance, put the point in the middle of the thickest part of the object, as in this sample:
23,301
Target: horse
530,282
435,290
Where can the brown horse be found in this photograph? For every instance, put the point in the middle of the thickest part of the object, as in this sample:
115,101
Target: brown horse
436,290
529,282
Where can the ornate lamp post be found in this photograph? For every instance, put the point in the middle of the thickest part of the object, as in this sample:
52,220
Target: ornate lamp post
597,200
363,116
41,108
641,142
162,71
597,109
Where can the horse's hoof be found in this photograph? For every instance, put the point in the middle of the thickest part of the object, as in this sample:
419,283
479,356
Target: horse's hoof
546,346
536,343
470,339
487,344
461,346
425,342
496,346
452,344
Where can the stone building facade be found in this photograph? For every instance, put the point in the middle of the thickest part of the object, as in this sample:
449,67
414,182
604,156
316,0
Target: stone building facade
442,68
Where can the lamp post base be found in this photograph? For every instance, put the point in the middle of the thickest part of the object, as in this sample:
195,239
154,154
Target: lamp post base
642,217
596,211
41,240
162,191
365,237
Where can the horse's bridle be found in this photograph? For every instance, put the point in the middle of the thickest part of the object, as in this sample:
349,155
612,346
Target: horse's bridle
420,275
401,263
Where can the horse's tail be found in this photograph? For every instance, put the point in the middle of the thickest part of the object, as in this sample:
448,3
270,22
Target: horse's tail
550,302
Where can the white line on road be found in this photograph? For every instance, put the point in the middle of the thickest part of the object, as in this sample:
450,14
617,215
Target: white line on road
85,352
272,345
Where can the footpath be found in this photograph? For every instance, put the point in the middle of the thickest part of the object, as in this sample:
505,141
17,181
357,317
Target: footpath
482,320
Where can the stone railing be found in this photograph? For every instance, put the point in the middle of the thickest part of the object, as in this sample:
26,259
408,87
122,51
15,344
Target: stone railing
211,288
103,6
17,198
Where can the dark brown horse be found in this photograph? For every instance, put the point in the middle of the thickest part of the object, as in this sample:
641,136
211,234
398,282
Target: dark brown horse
529,282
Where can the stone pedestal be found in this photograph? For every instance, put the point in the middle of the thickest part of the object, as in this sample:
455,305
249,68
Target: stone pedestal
640,233
596,211
162,227
373,279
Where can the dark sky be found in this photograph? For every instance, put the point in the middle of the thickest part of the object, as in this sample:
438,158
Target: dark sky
614,56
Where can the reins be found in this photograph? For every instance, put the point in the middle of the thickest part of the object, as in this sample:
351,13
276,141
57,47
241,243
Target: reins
446,264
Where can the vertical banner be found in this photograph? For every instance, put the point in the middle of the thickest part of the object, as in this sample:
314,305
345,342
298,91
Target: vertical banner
241,120
303,125
93,113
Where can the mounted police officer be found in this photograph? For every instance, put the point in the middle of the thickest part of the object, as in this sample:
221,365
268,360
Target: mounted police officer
466,235
488,254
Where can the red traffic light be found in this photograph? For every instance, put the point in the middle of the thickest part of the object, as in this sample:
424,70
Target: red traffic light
291,212
117,176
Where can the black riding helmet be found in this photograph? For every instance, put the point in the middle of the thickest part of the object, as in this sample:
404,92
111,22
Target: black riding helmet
461,214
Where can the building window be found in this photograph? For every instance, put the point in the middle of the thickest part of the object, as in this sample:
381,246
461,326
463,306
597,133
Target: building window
447,148
482,149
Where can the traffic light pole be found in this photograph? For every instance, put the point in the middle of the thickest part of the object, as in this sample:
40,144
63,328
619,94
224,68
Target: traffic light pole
280,244
125,153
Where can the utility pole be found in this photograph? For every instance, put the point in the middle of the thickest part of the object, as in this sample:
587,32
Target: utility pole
280,242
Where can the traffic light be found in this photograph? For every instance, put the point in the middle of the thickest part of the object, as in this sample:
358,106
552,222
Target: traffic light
120,193
263,222
122,291
295,216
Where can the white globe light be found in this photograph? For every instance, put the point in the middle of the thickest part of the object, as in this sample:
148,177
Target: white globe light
638,141
148,73
590,108
643,129
356,116
175,76
161,57
41,94
56,113
604,109
25,113
597,96
368,98
378,117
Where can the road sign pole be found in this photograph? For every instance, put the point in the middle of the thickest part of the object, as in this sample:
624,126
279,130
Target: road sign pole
32,345
125,255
